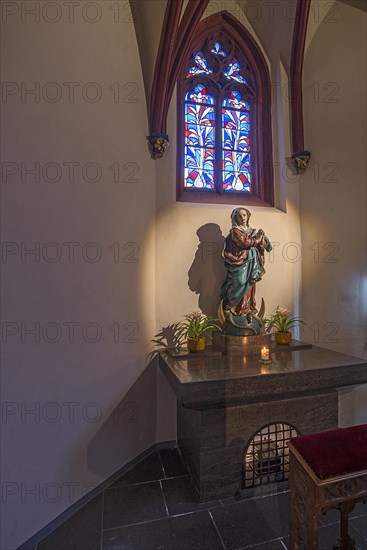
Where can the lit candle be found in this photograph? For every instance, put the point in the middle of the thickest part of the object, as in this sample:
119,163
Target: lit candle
265,354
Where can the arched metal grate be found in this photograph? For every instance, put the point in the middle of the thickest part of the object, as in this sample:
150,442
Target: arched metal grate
266,459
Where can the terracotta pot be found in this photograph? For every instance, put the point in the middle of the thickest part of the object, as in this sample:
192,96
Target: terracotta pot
283,338
196,344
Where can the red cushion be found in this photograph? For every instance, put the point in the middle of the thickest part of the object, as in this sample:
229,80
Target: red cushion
336,452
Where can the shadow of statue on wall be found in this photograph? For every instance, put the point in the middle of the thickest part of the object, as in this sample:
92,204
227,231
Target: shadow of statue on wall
207,271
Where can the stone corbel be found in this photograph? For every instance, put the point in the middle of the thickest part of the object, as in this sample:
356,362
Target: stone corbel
157,144
301,160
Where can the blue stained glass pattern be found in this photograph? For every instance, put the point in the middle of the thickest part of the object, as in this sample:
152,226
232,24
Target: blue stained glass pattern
236,181
235,130
199,158
199,168
198,179
236,171
199,115
233,72
217,49
235,161
199,95
200,67
234,101
199,136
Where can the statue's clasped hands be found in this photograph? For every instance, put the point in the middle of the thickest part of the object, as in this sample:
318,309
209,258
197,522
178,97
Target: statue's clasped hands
259,236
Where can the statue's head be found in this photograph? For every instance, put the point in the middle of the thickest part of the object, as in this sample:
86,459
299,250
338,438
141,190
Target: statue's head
238,218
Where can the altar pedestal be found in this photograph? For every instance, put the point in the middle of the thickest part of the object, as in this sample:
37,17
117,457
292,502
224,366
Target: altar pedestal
222,401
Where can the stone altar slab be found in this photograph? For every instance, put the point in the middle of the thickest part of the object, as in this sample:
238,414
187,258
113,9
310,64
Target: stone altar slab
251,345
223,400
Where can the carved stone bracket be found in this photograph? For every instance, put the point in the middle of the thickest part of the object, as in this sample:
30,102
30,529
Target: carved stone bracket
157,144
301,160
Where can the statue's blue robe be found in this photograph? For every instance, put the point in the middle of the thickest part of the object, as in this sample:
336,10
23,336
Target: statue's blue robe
241,277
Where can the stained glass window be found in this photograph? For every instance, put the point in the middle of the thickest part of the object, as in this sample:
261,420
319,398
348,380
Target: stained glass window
224,148
217,127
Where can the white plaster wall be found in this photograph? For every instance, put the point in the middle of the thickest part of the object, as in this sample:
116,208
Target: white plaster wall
333,192
148,18
74,385
273,24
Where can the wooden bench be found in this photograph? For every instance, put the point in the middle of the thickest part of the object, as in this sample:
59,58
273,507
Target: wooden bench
327,470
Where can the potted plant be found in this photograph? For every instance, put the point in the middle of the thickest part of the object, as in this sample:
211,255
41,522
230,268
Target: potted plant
193,328
283,321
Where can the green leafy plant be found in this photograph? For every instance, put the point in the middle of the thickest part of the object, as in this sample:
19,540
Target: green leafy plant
196,324
173,336
282,320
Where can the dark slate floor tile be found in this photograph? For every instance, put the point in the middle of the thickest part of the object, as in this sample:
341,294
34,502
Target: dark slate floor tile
180,497
82,531
131,504
172,462
360,525
251,522
333,516
149,469
359,510
191,531
229,500
329,535
269,545
266,490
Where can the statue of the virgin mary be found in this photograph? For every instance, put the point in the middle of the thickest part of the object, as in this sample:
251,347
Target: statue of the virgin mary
244,256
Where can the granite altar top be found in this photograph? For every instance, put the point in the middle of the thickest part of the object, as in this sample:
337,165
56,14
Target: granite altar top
206,381
225,367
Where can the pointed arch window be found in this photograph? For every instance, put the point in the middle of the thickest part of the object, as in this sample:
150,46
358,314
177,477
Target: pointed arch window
221,154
